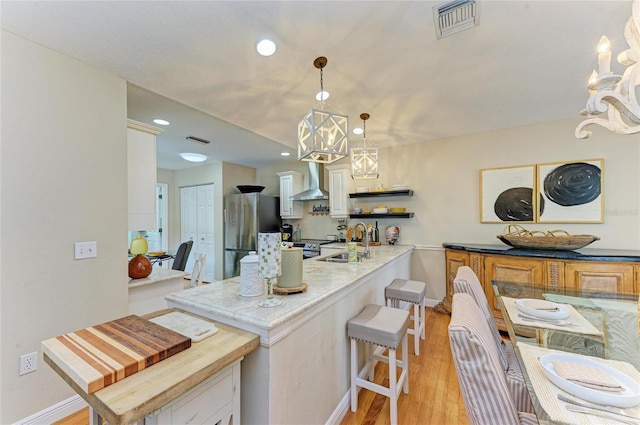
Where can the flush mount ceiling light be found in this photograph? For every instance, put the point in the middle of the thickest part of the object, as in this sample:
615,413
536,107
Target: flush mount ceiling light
358,130
193,157
285,153
161,121
364,157
266,47
322,135
613,94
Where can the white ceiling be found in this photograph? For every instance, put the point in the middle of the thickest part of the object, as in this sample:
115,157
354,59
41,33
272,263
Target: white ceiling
527,62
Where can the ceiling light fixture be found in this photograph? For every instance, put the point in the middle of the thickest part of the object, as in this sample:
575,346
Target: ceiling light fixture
358,130
266,47
615,95
285,153
161,121
364,157
198,139
193,157
322,136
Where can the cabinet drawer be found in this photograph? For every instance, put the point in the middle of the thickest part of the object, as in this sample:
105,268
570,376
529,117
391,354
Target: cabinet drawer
203,403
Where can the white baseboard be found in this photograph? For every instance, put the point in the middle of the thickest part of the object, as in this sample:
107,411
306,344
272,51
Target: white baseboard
56,412
341,410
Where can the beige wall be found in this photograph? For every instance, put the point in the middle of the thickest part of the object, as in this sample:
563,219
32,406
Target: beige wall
63,162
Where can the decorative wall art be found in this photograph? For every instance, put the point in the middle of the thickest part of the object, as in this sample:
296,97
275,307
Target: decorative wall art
567,192
506,194
572,192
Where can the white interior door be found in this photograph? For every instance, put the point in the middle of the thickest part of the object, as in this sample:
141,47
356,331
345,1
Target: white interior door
189,219
205,228
196,221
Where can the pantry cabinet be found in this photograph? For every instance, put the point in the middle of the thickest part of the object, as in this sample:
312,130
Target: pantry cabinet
609,270
290,183
338,187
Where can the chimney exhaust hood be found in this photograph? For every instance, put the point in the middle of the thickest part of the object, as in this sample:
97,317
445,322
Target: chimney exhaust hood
316,177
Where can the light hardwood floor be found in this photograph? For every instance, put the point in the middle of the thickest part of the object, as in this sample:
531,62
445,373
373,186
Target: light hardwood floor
434,396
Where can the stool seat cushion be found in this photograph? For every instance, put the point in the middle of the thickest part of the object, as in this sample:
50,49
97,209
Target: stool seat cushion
412,291
380,325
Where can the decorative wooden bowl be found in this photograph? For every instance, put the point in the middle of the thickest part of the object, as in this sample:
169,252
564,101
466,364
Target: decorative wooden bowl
564,243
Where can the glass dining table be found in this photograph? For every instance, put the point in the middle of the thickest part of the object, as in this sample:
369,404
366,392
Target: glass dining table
600,325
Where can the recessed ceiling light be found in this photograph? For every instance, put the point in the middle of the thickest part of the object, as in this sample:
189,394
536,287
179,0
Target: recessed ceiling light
161,121
322,95
358,130
266,47
193,157
285,153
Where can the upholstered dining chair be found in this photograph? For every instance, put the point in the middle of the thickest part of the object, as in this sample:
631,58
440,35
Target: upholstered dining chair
466,281
182,255
482,379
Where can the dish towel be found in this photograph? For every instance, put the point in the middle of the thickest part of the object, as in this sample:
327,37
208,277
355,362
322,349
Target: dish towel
583,326
547,393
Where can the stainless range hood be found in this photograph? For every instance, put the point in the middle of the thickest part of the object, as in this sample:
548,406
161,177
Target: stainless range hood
316,178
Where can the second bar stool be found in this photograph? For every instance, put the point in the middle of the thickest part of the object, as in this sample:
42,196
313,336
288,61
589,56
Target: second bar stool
411,291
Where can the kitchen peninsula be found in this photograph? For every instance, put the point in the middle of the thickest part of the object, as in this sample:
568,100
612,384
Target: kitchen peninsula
300,372
147,294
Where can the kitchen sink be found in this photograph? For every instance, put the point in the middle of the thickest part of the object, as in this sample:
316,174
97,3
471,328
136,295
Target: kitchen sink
341,257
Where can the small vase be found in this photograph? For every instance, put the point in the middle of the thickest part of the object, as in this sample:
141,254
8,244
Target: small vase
139,267
139,245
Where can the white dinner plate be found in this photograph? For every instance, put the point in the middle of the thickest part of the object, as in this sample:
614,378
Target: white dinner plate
628,398
562,311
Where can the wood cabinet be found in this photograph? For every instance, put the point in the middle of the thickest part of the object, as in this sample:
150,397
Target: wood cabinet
290,183
556,273
338,184
141,178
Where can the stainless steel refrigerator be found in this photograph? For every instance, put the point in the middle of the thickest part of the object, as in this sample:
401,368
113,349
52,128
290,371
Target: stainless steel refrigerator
246,215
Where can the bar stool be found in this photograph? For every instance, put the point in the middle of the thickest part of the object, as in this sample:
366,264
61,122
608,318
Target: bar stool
384,327
411,291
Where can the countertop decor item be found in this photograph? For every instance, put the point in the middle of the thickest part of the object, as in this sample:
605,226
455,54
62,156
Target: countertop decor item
139,267
291,276
139,245
246,188
393,234
269,261
251,284
518,237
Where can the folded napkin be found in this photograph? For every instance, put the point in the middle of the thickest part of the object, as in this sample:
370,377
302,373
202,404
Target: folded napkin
541,305
587,376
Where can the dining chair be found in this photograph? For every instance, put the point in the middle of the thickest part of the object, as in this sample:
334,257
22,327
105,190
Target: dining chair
180,260
482,379
466,281
200,261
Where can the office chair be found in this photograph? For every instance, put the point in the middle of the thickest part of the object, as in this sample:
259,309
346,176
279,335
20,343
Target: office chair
180,260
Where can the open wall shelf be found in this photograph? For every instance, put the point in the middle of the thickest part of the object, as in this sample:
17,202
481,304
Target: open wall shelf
379,194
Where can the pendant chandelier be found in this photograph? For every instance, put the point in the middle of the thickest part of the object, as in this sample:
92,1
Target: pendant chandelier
322,135
613,94
364,158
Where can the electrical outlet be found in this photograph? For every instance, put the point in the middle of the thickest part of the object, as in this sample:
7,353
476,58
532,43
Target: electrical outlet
29,363
84,250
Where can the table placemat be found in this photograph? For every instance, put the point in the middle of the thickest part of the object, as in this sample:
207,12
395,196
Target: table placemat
547,393
581,325
100,355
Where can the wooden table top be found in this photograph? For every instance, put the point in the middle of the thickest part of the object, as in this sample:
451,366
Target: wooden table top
138,395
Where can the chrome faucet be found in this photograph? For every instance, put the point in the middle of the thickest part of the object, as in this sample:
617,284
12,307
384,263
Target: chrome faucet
366,238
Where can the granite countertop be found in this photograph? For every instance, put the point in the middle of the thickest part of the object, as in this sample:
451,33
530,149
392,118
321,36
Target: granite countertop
579,254
222,299
158,274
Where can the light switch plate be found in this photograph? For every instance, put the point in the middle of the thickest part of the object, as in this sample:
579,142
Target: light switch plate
85,250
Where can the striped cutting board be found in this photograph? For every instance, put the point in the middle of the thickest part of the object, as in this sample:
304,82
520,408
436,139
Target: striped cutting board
100,355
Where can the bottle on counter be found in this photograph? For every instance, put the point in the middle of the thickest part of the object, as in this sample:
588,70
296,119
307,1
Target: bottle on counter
297,234
376,234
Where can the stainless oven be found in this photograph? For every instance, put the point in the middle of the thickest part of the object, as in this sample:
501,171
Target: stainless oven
310,247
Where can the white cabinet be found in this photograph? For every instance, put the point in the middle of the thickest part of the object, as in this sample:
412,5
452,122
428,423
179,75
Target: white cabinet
215,401
290,183
338,187
197,224
141,178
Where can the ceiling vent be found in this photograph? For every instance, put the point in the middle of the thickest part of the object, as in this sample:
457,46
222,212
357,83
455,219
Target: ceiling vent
455,16
197,139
